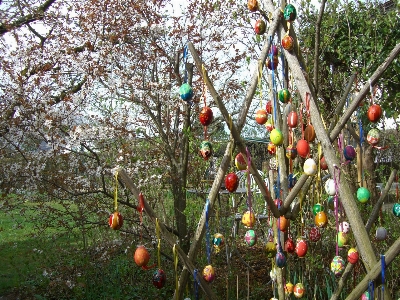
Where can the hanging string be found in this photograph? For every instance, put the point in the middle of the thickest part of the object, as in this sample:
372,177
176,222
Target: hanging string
159,243
273,81
248,181
308,108
196,284
116,192
301,121
383,266
185,52
260,69
336,203
140,209
208,249
176,271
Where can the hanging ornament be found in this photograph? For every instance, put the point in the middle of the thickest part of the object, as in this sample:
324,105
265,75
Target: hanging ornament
363,194
374,113
272,64
330,188
218,242
280,259
318,207
240,162
303,148
321,219
349,153
206,116
115,220
291,180
273,50
373,137
291,152
261,116
276,137
270,249
352,256
301,247
282,223
309,133
323,164
278,202
314,234
141,256
186,92
342,239
289,13
299,290
269,125
289,245
271,148
310,167
252,5
289,288
337,265
396,209
250,238
292,119
209,273
260,27
366,296
287,42
206,150
344,227
268,107
381,234
248,219
159,278
231,182
284,95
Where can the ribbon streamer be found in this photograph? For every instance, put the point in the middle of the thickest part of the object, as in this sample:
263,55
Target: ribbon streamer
383,266
208,249
116,192
196,284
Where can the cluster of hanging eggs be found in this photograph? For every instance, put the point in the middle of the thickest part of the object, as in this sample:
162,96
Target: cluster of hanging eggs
205,118
374,114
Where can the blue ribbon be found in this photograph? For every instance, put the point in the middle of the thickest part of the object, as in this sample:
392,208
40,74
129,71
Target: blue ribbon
283,65
383,266
371,290
208,233
360,126
185,52
196,284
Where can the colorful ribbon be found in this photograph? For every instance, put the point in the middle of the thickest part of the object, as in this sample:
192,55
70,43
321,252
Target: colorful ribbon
208,233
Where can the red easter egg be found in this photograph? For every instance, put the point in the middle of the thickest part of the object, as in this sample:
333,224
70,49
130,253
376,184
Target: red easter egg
287,43
301,247
282,223
252,5
352,256
271,148
159,278
272,64
269,126
292,119
314,234
289,245
115,221
278,202
291,152
231,182
309,133
240,162
303,148
261,116
268,107
260,27
273,50
374,113
206,116
323,164
141,256
299,290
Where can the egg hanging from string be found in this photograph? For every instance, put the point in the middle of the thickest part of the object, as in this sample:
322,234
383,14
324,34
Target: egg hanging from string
373,137
290,13
240,162
342,239
268,107
141,256
299,290
269,125
337,265
218,241
310,167
276,137
280,259
330,187
272,64
320,219
209,273
349,153
115,221
291,152
261,116
289,245
159,278
309,133
381,234
250,238
344,227
374,113
352,256
301,247
282,223
363,194
303,148
323,164
287,43
284,95
206,116
314,234
186,92
317,208
292,119
231,182
248,219
289,288
270,248
206,150
396,209
252,5
260,27
271,148
366,296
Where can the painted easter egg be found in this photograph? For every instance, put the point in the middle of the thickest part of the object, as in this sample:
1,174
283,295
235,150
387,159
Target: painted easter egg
342,239
289,246
289,288
273,50
278,202
291,152
260,27
310,167
317,208
287,43
321,219
292,119
309,133
209,273
284,95
271,148
206,150
261,116
218,241
363,194
252,5
303,148
186,92
314,234
349,153
240,162
352,256
323,164
374,113
373,137
282,223
269,125
115,220
280,259
396,209
289,13
268,107
337,265
206,116
250,238
248,219
381,234
231,182
330,187
301,247
270,249
272,64
159,278
276,137
366,296
141,256
344,227
299,290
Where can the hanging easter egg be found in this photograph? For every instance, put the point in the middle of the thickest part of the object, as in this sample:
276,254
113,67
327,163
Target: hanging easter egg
330,187
186,92
268,107
115,220
321,219
252,5
209,273
231,182
218,241
278,202
261,116
289,13
299,290
352,256
373,137
301,247
363,194
270,249
310,167
206,116
273,274
282,223
248,219
276,137
159,278
271,148
344,227
273,50
240,162
309,133
206,149
314,234
289,246
396,209
289,288
342,239
291,152
287,43
284,95
292,119
349,152
323,164
337,265
272,64
366,296
141,256
303,148
374,113
381,234
250,238
260,27
280,259
317,208
291,181
269,125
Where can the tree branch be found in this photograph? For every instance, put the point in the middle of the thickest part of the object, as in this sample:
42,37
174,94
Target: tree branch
317,42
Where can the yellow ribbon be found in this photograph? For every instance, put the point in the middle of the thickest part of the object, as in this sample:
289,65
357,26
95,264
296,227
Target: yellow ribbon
159,243
176,271
260,69
116,192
